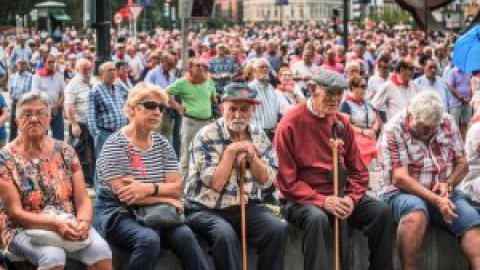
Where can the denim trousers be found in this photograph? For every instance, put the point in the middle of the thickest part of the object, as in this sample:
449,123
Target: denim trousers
144,244
57,125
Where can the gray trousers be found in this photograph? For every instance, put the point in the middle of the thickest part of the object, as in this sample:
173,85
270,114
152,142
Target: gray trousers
190,127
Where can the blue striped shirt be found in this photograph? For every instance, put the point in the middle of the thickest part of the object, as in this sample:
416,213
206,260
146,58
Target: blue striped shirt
19,84
267,113
105,110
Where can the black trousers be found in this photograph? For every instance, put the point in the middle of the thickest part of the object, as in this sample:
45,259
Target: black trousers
84,147
369,215
13,125
222,228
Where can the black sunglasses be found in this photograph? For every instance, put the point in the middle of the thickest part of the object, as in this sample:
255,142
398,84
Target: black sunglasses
151,105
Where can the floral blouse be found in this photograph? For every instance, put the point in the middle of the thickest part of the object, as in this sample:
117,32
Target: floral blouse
40,182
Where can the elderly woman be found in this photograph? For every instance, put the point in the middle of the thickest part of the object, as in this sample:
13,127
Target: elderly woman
138,167
287,92
39,173
365,120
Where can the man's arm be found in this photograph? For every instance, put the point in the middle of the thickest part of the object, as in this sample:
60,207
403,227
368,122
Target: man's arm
403,181
460,170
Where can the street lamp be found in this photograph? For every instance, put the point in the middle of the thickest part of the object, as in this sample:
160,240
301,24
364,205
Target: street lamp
426,19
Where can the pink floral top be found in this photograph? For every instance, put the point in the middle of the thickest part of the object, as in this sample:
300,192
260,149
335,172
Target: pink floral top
40,182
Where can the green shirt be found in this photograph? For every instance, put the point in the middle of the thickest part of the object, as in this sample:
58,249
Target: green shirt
196,98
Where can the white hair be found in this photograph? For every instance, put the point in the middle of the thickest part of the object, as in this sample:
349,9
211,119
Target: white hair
257,62
427,108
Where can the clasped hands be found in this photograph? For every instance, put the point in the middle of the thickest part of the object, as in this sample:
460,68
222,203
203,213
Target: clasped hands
73,230
341,207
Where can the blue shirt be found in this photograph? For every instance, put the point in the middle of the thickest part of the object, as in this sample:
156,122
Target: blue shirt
156,76
3,131
105,110
19,84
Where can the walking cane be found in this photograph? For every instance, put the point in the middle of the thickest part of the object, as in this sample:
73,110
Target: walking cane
241,180
334,144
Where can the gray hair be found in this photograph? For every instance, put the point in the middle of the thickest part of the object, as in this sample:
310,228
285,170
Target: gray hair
81,62
427,108
101,69
32,96
257,62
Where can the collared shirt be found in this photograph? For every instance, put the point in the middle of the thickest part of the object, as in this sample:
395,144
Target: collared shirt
105,110
427,163
394,98
268,112
461,82
53,85
439,85
206,152
224,65
19,84
156,76
76,95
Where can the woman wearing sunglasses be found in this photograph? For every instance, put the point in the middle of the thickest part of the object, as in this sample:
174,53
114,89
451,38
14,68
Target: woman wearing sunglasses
138,167
365,120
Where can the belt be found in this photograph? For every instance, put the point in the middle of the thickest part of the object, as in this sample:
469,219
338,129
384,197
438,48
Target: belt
196,118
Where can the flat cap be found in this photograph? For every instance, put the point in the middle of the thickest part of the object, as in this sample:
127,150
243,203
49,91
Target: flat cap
330,79
239,91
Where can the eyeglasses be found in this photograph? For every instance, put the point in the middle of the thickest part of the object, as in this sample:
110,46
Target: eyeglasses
200,66
363,86
28,115
152,105
287,75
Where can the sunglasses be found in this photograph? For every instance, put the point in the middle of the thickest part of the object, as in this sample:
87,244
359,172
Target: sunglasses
363,86
151,105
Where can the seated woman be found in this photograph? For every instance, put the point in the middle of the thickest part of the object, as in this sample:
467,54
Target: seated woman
471,183
39,173
364,119
138,167
287,92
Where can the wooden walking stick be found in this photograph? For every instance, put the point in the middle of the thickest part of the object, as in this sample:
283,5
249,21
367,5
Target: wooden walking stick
241,175
334,144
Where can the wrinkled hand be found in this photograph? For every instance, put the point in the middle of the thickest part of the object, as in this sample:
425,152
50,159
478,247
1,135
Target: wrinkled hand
68,230
83,227
339,207
131,192
76,130
441,189
242,150
447,208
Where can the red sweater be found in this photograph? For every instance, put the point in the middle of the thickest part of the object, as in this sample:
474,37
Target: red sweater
305,157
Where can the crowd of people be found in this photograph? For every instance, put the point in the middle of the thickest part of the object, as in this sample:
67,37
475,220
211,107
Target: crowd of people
143,132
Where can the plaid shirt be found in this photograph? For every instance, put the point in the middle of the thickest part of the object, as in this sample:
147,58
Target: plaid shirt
104,110
206,152
223,65
428,164
19,84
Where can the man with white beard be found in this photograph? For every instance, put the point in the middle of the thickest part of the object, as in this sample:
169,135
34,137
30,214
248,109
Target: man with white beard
76,98
213,206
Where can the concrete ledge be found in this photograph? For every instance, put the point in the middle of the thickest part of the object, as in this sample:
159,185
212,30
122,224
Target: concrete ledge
440,252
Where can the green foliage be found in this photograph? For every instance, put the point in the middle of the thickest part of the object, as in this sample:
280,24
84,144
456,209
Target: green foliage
392,16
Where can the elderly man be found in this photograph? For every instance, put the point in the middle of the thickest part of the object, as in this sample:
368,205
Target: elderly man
422,161
51,82
395,95
222,68
18,84
197,93
302,141
268,112
212,187
105,113
76,99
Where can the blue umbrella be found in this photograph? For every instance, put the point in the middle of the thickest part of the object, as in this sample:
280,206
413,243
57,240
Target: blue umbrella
466,53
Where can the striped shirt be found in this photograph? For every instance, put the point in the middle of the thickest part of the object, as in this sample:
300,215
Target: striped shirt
206,152
428,164
120,158
105,110
76,95
19,84
268,112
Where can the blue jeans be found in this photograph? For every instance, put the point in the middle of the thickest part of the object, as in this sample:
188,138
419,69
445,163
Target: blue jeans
403,203
57,125
144,244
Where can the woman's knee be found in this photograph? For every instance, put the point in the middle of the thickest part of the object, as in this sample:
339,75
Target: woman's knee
52,258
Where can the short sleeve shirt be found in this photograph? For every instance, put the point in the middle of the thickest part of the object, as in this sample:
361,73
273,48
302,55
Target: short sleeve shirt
197,98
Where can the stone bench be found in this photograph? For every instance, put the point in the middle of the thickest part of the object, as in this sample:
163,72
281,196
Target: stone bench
440,252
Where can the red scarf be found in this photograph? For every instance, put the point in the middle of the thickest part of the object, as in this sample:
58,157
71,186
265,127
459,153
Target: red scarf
397,81
189,78
352,98
45,73
282,87
124,78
